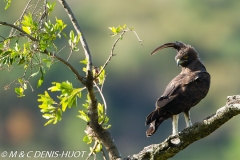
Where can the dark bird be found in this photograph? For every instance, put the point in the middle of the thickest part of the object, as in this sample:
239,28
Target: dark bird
183,92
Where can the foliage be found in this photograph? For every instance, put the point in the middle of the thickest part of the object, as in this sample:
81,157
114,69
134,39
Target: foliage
8,3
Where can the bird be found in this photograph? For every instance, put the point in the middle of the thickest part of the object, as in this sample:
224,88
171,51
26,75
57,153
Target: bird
183,92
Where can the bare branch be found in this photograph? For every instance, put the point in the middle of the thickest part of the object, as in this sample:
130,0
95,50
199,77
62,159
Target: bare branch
174,144
79,31
139,40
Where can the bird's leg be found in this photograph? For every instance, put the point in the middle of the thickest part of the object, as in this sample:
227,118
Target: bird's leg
175,124
187,118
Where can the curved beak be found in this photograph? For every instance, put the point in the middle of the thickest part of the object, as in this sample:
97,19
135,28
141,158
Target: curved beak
176,45
178,61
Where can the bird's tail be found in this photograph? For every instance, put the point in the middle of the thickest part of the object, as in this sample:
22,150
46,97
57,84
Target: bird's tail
154,119
154,126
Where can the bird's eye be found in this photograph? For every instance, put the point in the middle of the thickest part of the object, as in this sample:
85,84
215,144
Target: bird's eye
185,57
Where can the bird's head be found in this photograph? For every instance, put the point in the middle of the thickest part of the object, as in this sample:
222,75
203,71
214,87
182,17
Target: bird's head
185,53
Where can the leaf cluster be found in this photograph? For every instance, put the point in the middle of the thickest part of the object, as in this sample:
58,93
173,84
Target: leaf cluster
68,98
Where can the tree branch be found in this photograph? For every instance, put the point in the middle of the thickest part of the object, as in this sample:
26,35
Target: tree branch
79,77
79,31
102,134
174,144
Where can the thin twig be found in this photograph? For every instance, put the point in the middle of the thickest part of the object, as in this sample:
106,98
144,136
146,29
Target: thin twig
104,155
139,40
113,47
79,77
91,153
104,102
111,53
35,7
71,51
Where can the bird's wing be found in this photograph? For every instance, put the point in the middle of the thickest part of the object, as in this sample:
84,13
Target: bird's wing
173,91
178,85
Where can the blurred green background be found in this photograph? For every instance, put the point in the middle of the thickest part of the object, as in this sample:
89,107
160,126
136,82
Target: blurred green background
134,78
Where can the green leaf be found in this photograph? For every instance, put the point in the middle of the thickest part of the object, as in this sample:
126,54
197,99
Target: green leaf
40,81
8,4
50,7
85,105
84,61
26,29
83,116
19,91
49,122
47,62
71,35
66,85
64,105
48,116
47,101
102,76
98,148
60,25
64,34
59,113
34,74
87,139
57,87
100,109
107,126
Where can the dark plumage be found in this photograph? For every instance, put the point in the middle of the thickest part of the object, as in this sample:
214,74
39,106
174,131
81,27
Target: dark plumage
185,91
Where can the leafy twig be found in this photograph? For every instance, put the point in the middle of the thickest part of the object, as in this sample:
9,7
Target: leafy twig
111,53
114,45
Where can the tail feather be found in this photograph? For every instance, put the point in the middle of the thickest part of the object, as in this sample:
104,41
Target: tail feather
154,126
152,117
155,118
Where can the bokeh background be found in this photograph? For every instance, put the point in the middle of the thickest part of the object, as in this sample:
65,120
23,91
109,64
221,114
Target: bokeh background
134,78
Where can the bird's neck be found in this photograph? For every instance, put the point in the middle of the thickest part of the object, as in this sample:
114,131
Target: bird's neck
197,65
